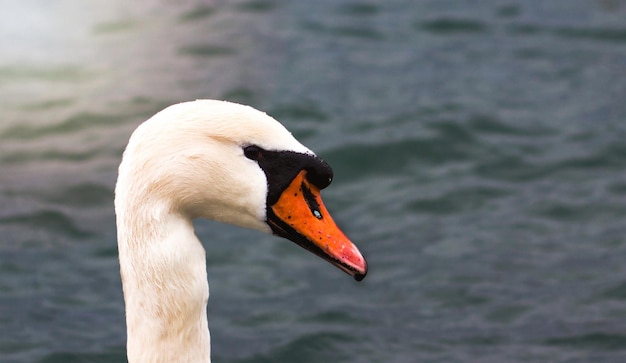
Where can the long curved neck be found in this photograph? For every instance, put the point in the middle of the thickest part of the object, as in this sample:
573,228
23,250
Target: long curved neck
163,269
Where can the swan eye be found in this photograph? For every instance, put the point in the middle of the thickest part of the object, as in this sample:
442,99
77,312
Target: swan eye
252,152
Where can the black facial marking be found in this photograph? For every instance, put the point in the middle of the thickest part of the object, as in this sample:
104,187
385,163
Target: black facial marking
311,201
281,167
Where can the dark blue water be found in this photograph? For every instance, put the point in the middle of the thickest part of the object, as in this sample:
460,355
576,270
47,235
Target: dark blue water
479,151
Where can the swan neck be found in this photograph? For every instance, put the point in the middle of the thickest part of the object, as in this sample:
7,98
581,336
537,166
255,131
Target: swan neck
163,269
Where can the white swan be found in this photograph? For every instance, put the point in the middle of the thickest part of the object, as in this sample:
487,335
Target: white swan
216,160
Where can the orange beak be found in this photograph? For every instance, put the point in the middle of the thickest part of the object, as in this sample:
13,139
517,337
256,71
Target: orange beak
300,216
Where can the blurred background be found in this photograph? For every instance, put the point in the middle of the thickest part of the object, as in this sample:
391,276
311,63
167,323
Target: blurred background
479,150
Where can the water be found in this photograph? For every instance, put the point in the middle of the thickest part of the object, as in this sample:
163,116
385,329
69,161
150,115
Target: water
479,161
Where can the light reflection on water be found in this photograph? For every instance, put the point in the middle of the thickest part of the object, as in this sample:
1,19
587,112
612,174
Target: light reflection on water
478,152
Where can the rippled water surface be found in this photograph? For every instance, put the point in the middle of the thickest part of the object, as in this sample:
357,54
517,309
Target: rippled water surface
479,151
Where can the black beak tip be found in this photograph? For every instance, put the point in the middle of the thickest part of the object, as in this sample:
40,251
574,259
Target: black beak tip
359,277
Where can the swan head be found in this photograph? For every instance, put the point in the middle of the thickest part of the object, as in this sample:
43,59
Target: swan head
234,164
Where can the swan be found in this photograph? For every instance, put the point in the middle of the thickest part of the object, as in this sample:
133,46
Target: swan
222,161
